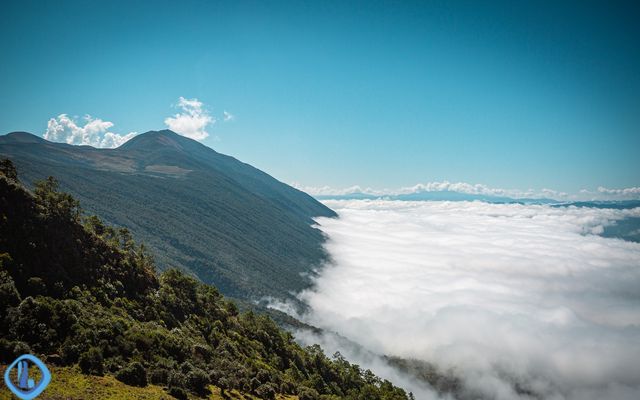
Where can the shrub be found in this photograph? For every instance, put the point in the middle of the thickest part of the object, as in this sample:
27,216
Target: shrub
91,362
224,384
306,393
54,359
8,169
133,374
70,352
266,391
21,348
186,367
36,286
9,296
159,376
177,379
287,387
179,393
197,381
6,351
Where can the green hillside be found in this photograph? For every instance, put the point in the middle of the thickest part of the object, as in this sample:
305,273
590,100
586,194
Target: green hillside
84,297
226,222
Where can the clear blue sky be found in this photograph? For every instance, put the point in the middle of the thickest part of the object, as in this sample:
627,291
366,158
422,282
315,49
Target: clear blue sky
383,94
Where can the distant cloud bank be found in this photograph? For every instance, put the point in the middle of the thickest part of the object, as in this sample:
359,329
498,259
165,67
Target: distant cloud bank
630,192
521,301
601,193
95,132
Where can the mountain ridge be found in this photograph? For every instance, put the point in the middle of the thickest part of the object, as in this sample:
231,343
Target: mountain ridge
226,222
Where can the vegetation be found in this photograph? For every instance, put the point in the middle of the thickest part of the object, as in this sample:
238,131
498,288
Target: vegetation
84,295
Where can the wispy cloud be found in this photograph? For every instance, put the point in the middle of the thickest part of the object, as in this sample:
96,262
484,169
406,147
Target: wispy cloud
95,132
227,116
192,120
632,192
517,299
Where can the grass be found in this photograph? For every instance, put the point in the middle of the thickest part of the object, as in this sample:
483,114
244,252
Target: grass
69,384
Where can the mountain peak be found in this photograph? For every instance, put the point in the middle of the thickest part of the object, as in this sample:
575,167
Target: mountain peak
153,139
167,141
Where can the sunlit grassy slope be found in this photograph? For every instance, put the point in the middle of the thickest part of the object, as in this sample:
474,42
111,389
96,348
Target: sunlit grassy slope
69,383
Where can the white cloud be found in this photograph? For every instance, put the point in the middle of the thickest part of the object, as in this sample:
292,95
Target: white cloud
227,116
330,191
476,189
444,186
95,132
501,293
192,121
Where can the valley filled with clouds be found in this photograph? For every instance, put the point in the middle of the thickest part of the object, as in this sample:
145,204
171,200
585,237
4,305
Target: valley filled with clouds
518,301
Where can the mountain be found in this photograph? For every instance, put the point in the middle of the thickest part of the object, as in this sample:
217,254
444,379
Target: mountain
85,298
225,221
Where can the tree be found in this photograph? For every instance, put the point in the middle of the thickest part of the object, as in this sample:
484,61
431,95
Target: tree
179,393
91,362
266,391
223,384
159,376
198,380
54,203
306,393
8,169
9,296
133,374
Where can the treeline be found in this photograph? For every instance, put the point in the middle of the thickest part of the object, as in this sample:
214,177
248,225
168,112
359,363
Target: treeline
78,292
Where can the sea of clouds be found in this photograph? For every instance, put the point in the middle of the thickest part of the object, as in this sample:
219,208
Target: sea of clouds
519,301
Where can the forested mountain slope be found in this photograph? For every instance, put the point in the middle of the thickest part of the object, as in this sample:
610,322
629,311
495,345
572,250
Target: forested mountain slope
84,297
228,223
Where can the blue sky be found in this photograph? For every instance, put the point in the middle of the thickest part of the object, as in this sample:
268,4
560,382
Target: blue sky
377,94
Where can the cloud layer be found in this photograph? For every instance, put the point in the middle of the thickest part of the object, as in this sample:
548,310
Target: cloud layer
503,294
95,132
601,193
192,120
